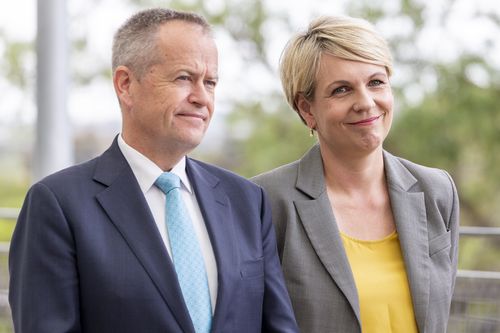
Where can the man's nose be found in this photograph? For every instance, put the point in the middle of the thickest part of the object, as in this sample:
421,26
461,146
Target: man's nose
200,95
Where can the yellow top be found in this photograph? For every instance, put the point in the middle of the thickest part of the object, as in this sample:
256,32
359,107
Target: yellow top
380,277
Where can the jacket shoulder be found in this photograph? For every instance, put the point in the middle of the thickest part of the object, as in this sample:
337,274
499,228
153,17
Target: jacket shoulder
437,185
281,178
228,177
70,175
427,177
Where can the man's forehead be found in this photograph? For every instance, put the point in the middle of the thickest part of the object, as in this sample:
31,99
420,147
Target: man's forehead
177,28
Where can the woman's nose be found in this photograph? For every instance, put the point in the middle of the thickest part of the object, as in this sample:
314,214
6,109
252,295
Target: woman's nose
364,101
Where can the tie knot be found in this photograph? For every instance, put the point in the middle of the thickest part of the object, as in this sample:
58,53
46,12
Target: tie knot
168,181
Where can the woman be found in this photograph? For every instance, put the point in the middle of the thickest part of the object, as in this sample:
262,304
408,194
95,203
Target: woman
367,240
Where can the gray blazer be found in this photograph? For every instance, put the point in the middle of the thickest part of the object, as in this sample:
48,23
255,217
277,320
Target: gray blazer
317,272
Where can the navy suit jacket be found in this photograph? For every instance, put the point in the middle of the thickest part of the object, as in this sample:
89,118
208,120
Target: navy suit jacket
86,255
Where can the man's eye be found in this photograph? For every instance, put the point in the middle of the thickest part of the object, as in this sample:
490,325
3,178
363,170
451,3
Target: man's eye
211,83
184,78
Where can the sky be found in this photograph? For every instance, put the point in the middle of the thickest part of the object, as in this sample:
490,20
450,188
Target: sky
96,20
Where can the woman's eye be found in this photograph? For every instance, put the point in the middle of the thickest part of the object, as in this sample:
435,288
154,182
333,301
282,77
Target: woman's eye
339,90
376,83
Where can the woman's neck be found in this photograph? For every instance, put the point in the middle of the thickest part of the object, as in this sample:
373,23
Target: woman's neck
353,173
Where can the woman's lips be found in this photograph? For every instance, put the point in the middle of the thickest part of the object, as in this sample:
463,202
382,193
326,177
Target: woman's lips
366,121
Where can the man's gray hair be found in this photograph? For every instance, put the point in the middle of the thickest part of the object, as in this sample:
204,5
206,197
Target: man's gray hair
134,44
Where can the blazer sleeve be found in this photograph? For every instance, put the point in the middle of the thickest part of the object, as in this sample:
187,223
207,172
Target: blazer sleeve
277,309
43,277
453,227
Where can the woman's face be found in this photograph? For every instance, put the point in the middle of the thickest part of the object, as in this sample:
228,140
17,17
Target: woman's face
352,105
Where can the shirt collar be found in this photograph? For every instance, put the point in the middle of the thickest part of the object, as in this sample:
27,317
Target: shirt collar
146,171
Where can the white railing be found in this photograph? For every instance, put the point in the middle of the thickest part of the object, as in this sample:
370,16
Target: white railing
9,213
480,231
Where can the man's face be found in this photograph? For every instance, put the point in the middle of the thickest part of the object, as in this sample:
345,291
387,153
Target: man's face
168,109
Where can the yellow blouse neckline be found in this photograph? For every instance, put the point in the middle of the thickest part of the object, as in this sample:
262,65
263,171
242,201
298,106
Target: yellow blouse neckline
390,236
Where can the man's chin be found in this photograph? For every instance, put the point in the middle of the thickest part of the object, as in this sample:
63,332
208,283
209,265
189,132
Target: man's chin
191,143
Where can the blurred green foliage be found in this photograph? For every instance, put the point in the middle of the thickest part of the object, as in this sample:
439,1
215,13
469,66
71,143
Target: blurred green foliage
264,135
12,192
14,55
5,327
6,229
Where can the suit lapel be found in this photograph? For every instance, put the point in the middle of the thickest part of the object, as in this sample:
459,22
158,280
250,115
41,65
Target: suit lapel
411,223
214,206
128,210
319,223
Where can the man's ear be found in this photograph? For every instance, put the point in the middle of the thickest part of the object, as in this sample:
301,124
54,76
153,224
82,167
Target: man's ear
122,79
304,107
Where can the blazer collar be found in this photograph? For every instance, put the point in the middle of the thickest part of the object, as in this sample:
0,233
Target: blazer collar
410,218
124,203
215,208
397,174
408,209
321,227
310,178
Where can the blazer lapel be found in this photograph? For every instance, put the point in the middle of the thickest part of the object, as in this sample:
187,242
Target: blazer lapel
411,223
216,213
319,223
128,210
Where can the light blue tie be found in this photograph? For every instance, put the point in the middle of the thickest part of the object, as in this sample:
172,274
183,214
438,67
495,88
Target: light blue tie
186,254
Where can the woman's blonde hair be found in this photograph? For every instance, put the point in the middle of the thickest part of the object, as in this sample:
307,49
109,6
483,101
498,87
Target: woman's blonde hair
344,37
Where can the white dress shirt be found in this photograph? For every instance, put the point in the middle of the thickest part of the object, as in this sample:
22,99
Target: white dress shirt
146,172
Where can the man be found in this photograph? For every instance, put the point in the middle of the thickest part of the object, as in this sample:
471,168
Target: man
96,248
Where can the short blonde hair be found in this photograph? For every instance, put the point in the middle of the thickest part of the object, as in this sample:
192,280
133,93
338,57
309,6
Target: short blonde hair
344,37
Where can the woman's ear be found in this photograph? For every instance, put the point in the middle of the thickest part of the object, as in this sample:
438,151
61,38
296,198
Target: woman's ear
122,79
304,107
